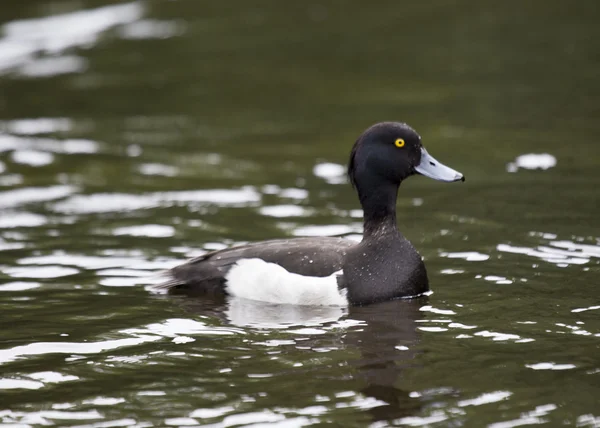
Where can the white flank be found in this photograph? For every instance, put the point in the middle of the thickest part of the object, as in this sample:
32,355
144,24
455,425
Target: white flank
256,279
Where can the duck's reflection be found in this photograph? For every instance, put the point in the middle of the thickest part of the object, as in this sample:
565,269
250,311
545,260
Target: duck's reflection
248,313
382,336
387,346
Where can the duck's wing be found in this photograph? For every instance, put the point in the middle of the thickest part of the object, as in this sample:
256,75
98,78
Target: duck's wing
319,256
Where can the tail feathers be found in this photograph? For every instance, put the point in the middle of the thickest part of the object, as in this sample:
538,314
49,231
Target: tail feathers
170,283
189,279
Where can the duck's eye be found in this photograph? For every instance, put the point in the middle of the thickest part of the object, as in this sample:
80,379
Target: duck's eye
399,142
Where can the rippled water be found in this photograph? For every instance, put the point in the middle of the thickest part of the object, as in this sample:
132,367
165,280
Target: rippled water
136,134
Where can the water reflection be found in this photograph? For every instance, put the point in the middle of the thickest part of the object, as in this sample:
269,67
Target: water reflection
532,161
388,344
382,338
116,202
138,133
248,313
17,197
40,47
48,146
559,252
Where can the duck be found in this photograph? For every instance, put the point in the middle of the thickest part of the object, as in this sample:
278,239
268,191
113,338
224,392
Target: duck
332,271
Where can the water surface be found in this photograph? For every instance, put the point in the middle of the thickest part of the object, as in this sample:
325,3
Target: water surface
136,134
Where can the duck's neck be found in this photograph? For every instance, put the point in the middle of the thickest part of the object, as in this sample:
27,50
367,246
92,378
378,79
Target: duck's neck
379,207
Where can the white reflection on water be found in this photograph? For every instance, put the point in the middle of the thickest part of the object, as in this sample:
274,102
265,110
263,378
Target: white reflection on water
500,337
39,125
116,202
82,261
417,421
590,308
588,421
42,348
10,179
175,327
497,279
451,271
9,383
76,29
32,157
535,417
332,173
562,253
104,401
281,211
17,197
158,169
255,418
147,230
10,220
19,286
39,380
45,417
20,144
211,413
243,312
10,245
52,66
181,422
470,256
126,281
150,29
127,271
328,230
532,161
584,249
293,193
37,47
449,322
486,398
52,377
429,308
550,366
39,271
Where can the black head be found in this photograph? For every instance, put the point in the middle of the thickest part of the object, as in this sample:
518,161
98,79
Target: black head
391,152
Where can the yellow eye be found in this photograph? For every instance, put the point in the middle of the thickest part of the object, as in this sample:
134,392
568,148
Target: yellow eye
399,142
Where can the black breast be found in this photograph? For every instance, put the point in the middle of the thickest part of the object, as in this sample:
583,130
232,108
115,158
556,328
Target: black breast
383,269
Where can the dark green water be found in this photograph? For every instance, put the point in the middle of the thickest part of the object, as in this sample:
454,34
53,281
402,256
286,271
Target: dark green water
134,135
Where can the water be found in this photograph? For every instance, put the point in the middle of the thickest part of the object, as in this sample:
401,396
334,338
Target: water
135,135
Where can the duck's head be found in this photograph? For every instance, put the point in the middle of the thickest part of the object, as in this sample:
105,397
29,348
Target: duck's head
391,152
